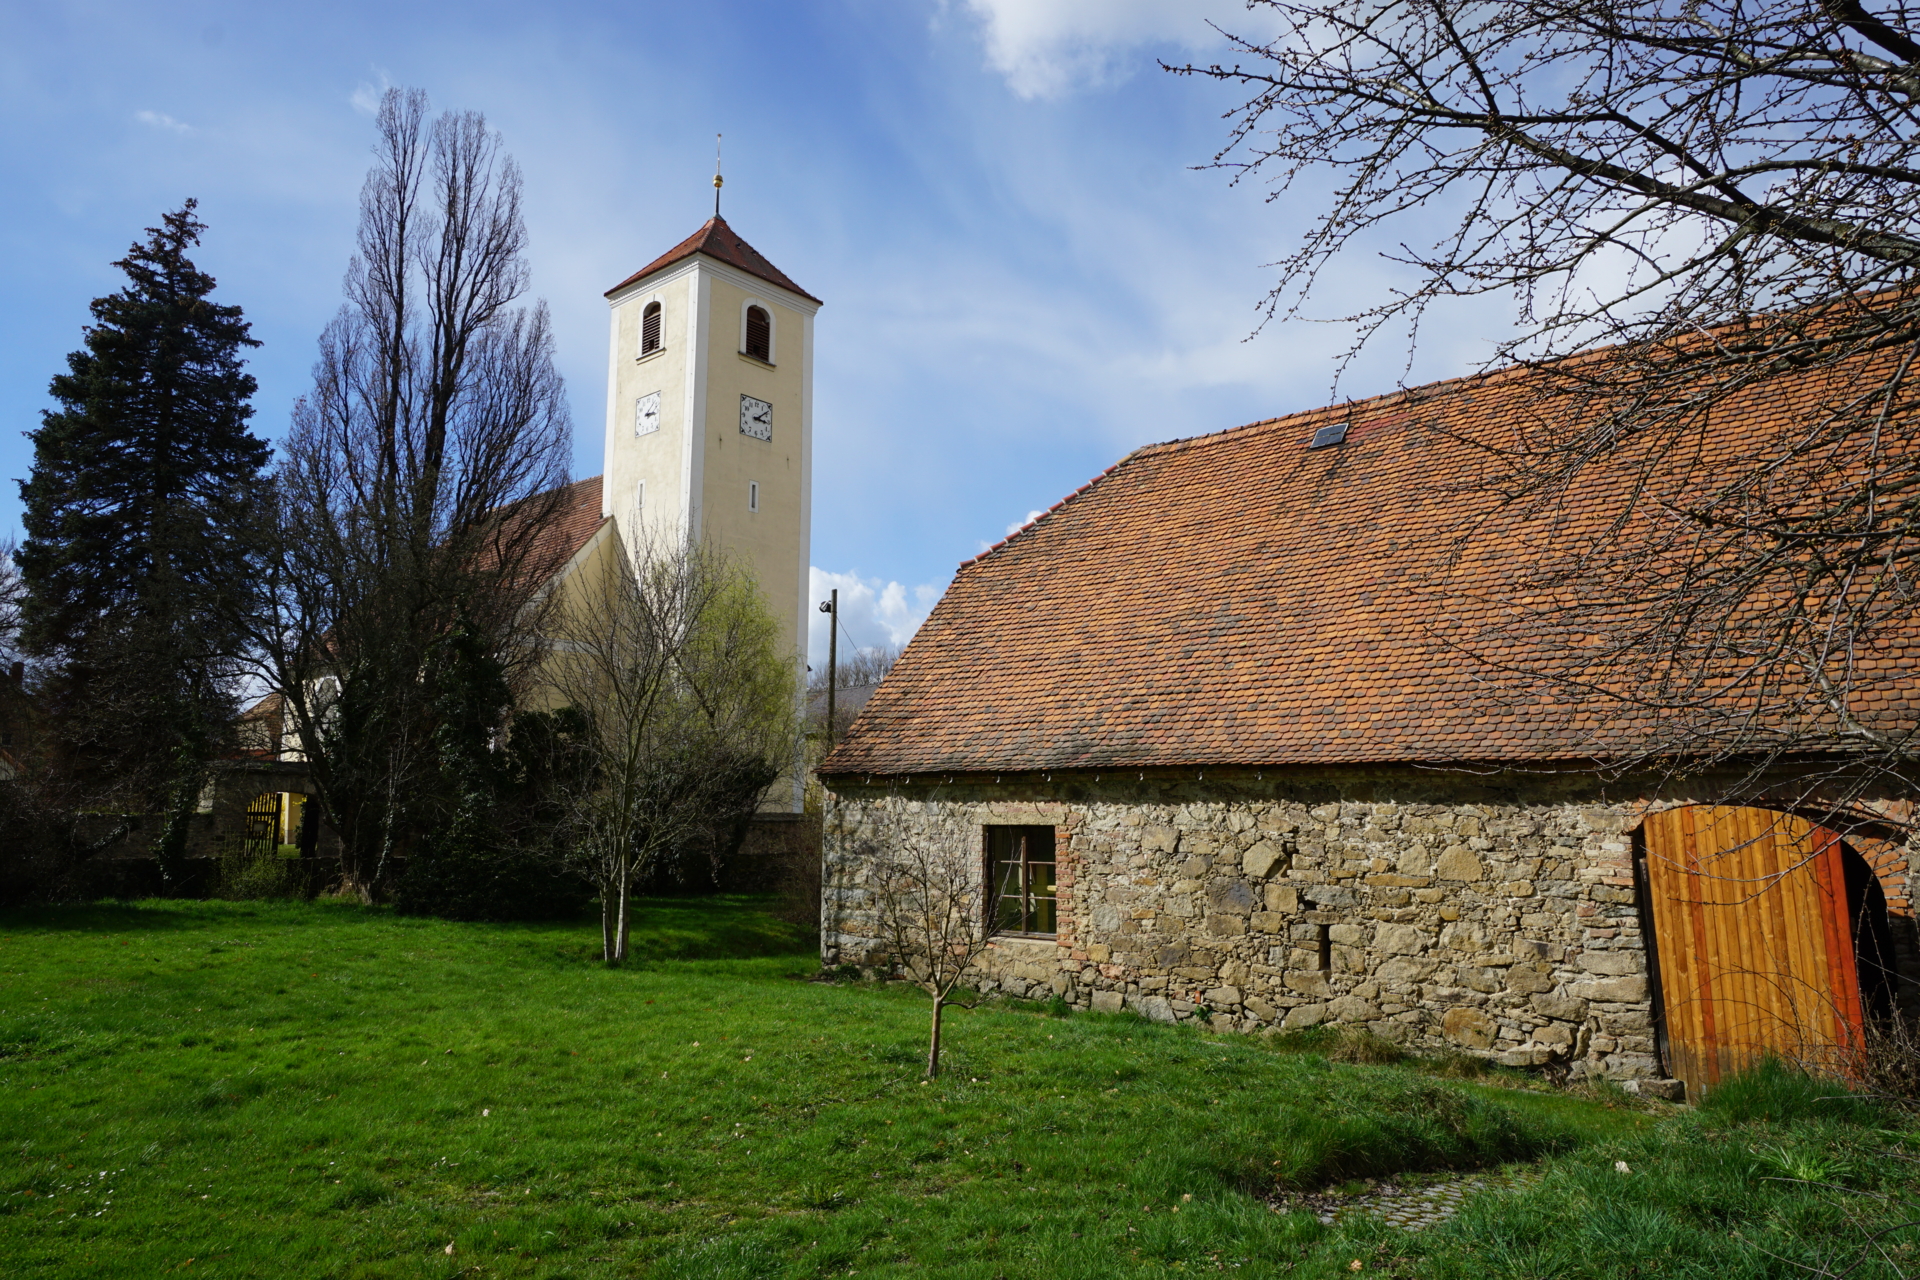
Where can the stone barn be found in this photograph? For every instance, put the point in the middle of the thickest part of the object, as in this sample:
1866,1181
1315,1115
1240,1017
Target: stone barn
1232,736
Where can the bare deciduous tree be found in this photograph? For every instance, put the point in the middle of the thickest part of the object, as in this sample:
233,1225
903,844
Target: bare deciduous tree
934,918
1728,193
687,706
419,477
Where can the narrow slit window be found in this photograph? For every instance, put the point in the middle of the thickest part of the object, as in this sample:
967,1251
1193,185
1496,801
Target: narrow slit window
1020,867
650,329
759,334
753,495
1324,960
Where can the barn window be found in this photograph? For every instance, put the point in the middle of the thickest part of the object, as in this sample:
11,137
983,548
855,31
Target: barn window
650,329
759,342
1020,868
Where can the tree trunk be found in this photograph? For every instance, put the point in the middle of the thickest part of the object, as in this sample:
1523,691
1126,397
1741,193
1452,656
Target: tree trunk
620,933
606,921
933,1044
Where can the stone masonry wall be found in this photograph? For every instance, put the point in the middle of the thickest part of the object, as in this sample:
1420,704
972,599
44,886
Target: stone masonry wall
1493,917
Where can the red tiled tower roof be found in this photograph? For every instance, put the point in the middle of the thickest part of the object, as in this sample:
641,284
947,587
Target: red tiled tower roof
723,244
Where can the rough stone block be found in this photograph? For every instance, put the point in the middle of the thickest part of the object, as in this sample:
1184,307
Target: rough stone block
1459,863
1401,939
1152,1008
1667,1090
1612,963
1404,969
1348,935
1159,839
1352,1009
1518,888
1283,898
1557,1034
1613,990
1305,1015
1223,997
1099,952
1263,860
1267,922
1106,919
1525,979
1468,1028
1309,983
1235,896
1565,1008
1476,978
1225,926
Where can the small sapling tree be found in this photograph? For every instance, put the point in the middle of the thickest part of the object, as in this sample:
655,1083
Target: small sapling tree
687,712
935,920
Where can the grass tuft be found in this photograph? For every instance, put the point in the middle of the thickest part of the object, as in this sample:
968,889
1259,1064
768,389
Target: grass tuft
1776,1091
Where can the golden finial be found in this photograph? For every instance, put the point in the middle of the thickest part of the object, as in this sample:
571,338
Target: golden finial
718,181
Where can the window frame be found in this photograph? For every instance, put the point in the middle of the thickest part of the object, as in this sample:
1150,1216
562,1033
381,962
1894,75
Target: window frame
773,330
658,312
1018,837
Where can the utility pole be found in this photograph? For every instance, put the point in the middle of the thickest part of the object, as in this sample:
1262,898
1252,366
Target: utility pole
831,607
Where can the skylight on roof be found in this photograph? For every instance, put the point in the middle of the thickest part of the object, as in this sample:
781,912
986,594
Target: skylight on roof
1335,434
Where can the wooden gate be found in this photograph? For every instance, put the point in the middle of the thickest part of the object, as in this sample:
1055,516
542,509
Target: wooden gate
1751,940
262,836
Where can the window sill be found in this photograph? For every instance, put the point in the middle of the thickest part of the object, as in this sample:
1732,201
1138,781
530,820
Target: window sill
764,364
654,354
1049,939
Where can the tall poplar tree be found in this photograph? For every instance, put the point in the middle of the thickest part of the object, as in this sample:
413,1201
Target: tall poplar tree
139,564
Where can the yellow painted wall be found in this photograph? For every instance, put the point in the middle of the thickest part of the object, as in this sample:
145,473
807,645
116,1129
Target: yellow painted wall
658,458
771,539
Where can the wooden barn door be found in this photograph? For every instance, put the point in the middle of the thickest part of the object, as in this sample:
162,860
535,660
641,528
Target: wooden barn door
1752,941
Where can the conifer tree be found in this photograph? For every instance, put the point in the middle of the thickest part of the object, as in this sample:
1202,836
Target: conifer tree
139,566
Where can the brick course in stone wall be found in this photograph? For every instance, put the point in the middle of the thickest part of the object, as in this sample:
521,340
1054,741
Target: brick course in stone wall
1492,917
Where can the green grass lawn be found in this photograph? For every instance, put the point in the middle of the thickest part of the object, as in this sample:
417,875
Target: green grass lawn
225,1089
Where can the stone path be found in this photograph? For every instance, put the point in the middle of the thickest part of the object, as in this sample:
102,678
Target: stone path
1409,1206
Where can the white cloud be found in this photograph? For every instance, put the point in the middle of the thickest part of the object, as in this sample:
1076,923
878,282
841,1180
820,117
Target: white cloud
366,96
161,120
873,613
1020,524
1046,48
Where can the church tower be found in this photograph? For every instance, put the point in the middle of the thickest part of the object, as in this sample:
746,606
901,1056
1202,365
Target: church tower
710,411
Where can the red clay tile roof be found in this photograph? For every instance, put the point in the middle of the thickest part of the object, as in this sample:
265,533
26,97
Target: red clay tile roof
1239,599
720,242
573,523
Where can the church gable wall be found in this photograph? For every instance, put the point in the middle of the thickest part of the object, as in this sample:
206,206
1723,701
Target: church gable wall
1440,912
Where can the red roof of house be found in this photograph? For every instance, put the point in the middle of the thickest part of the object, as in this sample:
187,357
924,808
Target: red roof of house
1243,599
721,243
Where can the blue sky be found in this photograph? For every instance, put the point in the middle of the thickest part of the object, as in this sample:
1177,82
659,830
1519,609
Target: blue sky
1024,275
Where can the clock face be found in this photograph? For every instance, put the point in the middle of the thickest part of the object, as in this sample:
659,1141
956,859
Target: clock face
756,418
646,414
